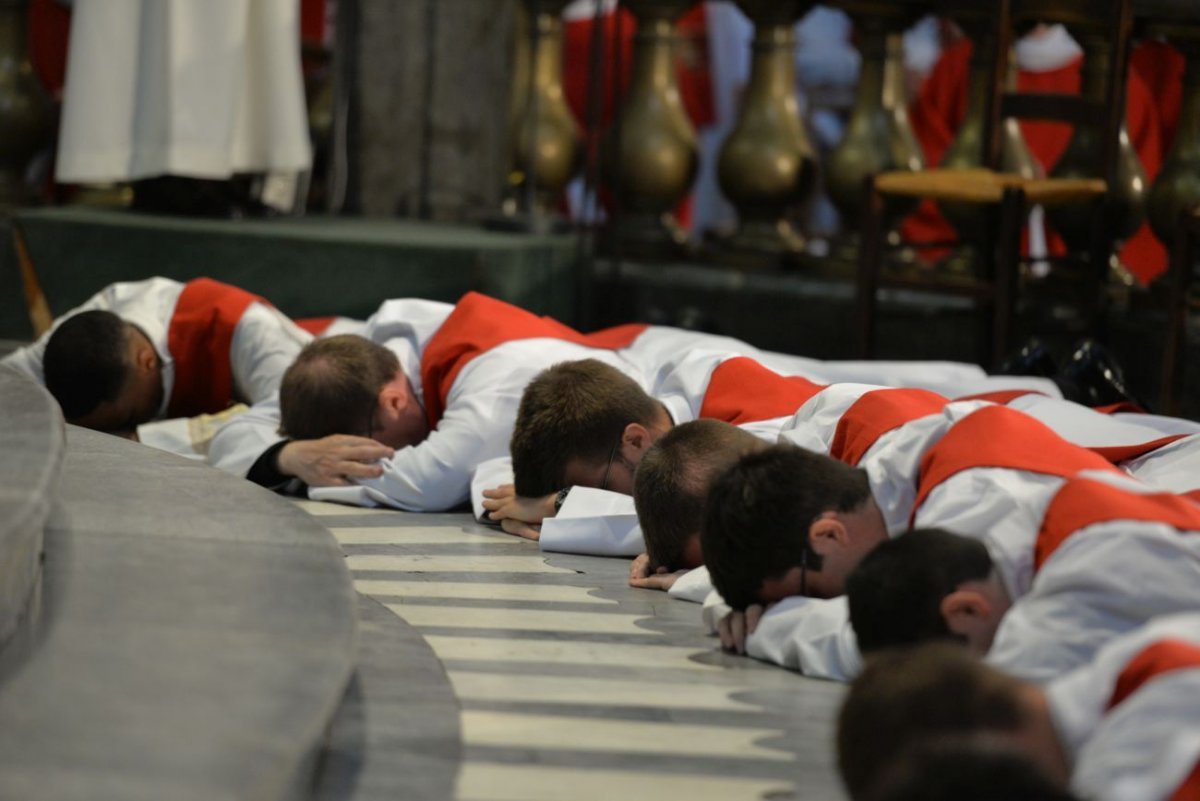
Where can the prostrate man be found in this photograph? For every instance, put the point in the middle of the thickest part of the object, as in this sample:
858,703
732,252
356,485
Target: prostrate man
158,348
582,429
576,414
446,402
1125,726
1110,555
975,468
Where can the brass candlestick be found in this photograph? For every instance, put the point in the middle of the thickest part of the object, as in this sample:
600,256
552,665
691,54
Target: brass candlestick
766,165
966,151
1126,201
651,155
544,138
1177,186
879,136
25,109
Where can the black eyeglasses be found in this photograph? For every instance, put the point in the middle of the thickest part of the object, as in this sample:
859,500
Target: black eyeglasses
611,455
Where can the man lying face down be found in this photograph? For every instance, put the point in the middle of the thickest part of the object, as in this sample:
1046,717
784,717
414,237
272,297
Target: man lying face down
785,521
104,372
1109,554
586,424
350,385
671,487
1122,726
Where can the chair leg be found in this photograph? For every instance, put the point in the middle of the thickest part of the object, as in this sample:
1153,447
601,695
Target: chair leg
1176,323
35,299
870,249
1005,270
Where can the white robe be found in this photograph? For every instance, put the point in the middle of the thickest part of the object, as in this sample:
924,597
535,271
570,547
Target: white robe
1103,580
265,342
1144,747
480,410
201,89
1002,507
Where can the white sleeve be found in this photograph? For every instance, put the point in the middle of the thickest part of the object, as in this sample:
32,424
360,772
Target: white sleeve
189,437
714,611
489,475
1174,467
596,522
238,444
265,343
811,635
694,586
435,475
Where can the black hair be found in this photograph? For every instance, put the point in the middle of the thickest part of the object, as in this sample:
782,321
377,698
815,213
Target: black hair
895,592
758,513
86,361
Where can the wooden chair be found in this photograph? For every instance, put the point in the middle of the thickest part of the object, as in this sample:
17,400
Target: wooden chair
1006,198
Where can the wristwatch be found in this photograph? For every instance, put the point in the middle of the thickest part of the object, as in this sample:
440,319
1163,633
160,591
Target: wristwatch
561,498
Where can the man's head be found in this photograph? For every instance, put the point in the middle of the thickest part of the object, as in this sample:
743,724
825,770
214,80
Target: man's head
350,385
933,695
672,483
928,584
786,521
582,423
955,771
104,372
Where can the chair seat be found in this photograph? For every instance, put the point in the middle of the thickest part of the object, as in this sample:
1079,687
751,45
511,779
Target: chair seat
987,186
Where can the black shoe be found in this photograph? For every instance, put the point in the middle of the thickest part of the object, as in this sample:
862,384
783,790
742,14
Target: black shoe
1093,377
1032,359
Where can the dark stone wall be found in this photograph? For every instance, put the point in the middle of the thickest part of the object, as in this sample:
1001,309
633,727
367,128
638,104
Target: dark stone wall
431,92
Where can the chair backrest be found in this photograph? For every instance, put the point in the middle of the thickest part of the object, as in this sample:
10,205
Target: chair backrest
1104,28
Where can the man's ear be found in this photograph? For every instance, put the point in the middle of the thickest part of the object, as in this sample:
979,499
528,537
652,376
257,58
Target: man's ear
965,611
145,358
393,397
827,532
637,437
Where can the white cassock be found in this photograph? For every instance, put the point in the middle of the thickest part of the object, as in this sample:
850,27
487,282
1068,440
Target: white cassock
199,89
1114,553
1129,721
1002,506
264,343
480,408
679,365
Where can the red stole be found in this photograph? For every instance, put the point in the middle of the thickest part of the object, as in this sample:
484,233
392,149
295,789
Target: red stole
875,414
741,390
996,436
1082,503
478,324
199,338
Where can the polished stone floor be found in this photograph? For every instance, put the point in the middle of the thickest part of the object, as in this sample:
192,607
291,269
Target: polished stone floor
490,671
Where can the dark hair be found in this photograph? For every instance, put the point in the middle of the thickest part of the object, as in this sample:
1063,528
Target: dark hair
86,361
895,592
333,387
573,410
955,771
758,513
673,479
905,698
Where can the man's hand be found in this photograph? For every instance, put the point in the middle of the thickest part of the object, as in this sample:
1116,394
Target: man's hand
511,526
641,576
332,461
503,503
734,628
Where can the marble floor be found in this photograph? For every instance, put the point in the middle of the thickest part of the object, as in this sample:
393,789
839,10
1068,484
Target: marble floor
489,671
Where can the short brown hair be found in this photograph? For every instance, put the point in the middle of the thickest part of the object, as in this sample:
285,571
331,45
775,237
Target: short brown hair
673,479
333,387
927,694
573,410
758,512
